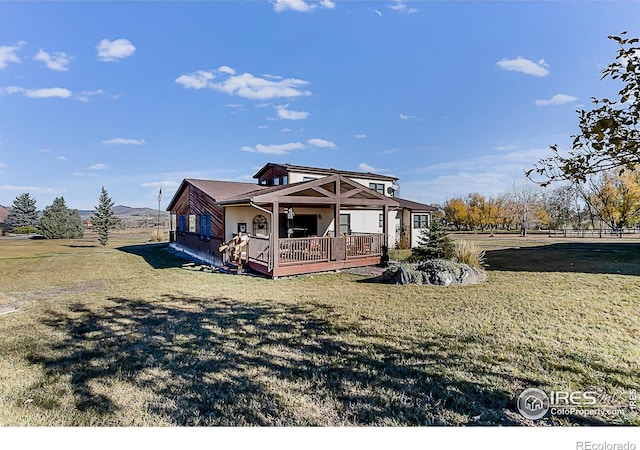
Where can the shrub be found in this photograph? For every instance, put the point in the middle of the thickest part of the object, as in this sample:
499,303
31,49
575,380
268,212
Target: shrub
469,253
60,222
157,236
434,243
25,230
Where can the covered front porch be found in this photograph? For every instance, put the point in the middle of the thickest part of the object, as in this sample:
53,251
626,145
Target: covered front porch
321,238
295,256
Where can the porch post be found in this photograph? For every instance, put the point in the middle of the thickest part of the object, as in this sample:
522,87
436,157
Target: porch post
275,234
385,224
336,212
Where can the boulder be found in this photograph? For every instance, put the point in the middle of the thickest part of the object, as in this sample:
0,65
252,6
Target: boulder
438,272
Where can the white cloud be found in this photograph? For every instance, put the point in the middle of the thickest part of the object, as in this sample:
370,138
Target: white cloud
402,7
245,85
8,54
124,141
30,189
263,126
321,143
329,4
48,93
405,117
226,69
293,5
360,136
109,51
84,174
275,149
196,80
377,12
364,167
558,99
54,61
99,166
287,114
524,65
85,95
62,158
503,148
443,187
301,5
37,93
10,90
490,175
2,165
286,130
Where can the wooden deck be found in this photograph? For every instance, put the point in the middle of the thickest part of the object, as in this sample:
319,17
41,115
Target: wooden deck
296,256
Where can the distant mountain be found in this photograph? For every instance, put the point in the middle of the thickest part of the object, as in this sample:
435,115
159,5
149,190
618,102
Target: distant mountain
127,211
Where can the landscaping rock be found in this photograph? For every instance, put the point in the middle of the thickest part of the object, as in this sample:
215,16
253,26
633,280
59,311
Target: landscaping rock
438,272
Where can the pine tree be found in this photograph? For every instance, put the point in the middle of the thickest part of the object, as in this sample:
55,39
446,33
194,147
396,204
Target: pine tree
103,218
23,212
434,243
60,222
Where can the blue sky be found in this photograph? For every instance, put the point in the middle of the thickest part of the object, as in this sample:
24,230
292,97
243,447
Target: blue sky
451,97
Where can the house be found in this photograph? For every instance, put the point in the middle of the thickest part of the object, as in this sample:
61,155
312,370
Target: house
300,219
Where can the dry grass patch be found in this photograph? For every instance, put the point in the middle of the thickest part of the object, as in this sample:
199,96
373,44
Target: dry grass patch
126,337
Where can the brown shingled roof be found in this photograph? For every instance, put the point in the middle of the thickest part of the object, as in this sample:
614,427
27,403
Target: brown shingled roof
323,171
218,190
414,206
223,190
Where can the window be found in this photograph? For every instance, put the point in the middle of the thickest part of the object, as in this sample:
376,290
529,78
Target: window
192,223
276,181
285,179
420,221
378,187
381,220
260,225
345,223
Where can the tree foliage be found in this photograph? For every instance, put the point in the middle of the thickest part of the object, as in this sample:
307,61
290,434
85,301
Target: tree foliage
455,212
60,222
434,242
615,198
609,137
23,212
103,218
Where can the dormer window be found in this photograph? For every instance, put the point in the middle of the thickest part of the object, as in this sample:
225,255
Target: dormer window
378,187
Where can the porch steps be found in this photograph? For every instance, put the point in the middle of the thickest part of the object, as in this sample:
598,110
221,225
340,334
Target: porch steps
230,268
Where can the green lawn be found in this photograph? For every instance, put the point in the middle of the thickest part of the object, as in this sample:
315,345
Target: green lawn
124,335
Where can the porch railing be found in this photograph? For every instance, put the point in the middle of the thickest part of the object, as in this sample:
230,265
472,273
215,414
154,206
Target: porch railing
303,250
259,249
364,244
291,251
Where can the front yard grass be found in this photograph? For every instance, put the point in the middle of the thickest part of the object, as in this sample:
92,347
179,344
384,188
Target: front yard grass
123,335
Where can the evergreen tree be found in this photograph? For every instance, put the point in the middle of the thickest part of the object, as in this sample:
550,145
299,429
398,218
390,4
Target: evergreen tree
103,218
434,243
23,212
60,222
